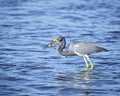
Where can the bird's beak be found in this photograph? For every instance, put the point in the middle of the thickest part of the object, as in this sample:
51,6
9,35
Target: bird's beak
51,44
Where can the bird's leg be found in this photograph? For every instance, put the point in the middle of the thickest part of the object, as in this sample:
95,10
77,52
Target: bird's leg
92,65
84,56
86,62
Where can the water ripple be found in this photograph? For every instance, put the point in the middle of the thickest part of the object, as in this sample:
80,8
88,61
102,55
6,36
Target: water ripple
28,70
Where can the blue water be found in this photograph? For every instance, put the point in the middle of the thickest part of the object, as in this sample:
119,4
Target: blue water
28,25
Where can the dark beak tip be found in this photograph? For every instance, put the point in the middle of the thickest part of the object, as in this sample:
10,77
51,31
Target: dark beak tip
45,47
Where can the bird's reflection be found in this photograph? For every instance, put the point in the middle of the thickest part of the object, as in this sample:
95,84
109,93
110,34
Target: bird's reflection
79,82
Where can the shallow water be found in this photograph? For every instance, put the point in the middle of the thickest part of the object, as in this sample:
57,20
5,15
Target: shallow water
28,25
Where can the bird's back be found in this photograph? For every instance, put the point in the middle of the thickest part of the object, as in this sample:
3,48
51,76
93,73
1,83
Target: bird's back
83,47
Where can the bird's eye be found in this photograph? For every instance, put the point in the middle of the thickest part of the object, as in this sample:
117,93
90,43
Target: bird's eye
61,40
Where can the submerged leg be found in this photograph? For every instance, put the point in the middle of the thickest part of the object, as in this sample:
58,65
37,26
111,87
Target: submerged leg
86,62
84,56
92,65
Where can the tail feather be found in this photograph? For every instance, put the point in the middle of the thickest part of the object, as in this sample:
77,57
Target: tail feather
102,49
106,50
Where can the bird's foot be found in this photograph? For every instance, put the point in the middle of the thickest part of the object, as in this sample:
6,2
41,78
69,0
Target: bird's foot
85,70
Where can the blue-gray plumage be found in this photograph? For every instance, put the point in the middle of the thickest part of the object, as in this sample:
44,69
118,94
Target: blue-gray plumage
80,48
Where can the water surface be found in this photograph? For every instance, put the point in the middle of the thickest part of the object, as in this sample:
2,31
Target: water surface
28,70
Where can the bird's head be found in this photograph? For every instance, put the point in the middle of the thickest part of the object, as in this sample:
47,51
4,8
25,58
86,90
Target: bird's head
51,43
59,39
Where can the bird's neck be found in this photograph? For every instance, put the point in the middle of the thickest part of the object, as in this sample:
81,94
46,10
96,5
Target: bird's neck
60,49
63,53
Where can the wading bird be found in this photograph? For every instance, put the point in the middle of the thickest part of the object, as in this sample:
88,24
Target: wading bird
78,48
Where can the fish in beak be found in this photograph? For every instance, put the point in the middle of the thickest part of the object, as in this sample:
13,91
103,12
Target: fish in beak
51,44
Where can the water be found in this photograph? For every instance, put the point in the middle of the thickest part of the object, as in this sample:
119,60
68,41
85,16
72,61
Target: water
28,25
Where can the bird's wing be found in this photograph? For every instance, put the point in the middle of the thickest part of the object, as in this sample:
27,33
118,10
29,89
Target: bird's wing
77,50
83,48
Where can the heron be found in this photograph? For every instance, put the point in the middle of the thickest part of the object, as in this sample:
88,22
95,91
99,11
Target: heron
77,48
